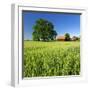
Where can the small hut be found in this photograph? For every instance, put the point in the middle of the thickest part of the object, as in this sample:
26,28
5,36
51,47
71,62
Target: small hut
74,38
60,38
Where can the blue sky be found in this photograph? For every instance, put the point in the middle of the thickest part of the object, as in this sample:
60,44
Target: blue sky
63,22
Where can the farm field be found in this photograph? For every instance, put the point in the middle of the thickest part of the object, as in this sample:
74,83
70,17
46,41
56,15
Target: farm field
51,58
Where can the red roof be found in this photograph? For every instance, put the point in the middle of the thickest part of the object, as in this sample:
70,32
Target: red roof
60,37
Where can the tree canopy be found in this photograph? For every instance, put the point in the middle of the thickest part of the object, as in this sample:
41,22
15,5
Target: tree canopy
43,30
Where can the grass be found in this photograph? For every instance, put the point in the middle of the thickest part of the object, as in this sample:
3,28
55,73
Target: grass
51,58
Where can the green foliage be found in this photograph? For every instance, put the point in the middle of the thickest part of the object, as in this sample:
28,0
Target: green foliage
67,37
43,30
51,58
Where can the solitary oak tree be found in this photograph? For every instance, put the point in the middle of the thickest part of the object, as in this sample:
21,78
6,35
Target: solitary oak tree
43,30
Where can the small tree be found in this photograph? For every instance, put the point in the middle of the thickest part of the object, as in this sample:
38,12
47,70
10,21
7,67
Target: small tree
67,37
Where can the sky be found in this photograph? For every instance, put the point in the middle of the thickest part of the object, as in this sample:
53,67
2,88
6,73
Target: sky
63,22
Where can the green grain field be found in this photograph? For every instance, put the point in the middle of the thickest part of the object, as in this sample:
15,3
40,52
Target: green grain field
51,58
